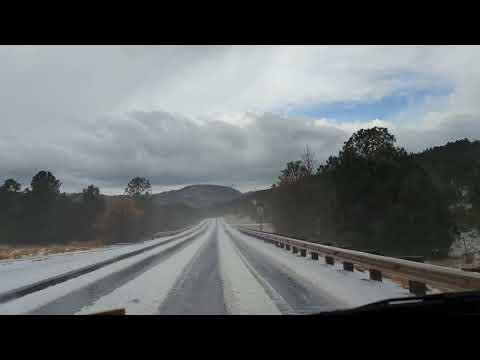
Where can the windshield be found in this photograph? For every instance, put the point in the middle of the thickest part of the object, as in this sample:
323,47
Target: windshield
236,179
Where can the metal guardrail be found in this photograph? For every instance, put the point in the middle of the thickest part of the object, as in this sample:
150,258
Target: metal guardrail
418,274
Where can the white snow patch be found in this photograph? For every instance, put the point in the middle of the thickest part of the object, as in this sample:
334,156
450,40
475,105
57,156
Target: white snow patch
37,299
469,238
22,272
145,294
351,288
242,292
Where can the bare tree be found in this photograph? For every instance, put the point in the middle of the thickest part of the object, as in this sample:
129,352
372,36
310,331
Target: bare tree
292,174
309,161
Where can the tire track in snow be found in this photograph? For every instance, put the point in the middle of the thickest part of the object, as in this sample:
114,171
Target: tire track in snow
61,278
279,301
87,295
198,291
147,292
294,294
243,293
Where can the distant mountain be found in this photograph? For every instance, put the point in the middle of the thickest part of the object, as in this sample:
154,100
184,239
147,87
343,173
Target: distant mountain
245,205
198,195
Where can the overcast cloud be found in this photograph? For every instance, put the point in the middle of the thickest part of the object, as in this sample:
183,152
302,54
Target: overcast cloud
220,115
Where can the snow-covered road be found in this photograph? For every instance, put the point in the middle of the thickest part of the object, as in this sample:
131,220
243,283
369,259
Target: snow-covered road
212,270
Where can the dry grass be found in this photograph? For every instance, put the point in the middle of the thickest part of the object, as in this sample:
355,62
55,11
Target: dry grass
17,252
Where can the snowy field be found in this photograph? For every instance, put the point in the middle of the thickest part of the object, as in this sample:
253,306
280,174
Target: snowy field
217,271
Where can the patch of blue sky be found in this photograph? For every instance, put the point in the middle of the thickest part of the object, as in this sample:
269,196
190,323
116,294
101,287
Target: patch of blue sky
387,107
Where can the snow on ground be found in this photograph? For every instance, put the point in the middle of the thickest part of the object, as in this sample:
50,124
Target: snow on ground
144,294
32,301
244,289
456,255
243,294
351,288
17,273
469,238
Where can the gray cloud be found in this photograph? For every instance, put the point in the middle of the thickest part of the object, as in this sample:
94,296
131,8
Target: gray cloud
172,150
451,128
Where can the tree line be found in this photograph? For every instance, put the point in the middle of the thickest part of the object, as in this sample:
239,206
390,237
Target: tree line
41,214
455,170
374,195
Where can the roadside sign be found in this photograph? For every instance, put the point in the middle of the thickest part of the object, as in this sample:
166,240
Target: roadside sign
260,215
260,211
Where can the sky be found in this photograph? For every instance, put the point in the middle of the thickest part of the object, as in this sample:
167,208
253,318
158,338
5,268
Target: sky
226,115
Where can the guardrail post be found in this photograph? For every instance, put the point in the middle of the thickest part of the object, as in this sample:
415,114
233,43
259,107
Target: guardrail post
348,266
329,260
294,249
303,252
287,246
314,256
417,288
282,245
375,275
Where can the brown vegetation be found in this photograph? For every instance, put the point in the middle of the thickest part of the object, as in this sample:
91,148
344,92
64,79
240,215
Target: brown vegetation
17,252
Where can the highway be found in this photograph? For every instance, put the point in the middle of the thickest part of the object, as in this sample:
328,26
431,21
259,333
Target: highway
211,269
